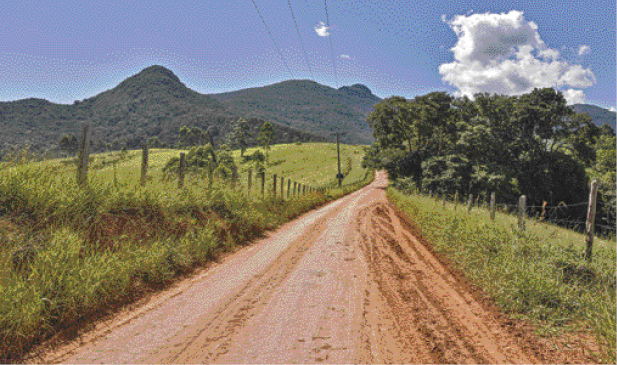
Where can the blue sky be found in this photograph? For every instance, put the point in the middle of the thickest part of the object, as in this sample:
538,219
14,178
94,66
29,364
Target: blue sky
70,50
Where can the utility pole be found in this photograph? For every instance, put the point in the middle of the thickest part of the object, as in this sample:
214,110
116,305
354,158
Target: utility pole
339,176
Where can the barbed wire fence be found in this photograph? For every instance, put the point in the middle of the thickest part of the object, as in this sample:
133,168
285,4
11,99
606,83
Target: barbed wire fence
560,215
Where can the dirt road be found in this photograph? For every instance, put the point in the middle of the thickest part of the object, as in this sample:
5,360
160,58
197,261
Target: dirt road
345,283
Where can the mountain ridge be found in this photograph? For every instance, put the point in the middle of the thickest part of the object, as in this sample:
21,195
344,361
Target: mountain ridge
152,102
599,115
156,103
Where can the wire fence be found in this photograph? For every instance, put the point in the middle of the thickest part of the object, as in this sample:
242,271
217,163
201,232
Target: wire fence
583,219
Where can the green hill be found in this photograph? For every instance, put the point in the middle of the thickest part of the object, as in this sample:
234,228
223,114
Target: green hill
308,106
155,102
599,115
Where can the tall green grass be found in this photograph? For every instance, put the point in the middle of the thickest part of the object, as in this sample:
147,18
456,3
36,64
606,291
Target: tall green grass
539,274
68,253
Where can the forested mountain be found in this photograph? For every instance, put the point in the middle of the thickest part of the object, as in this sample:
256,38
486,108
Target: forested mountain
155,103
600,116
308,106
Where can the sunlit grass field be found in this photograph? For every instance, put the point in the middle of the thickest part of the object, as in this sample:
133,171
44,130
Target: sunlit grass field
538,274
70,253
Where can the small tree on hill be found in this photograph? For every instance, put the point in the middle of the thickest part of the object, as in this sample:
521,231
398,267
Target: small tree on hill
240,135
266,134
68,144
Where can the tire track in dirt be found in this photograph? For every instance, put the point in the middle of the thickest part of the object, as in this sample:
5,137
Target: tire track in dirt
434,320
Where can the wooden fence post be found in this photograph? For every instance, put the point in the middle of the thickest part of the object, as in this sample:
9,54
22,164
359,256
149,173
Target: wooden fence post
493,206
144,164
274,178
591,217
522,205
288,187
295,188
250,180
470,203
282,181
444,200
181,172
263,183
430,193
455,199
84,157
303,189
210,177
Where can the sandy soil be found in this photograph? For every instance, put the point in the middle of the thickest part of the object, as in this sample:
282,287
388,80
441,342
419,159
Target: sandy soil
347,283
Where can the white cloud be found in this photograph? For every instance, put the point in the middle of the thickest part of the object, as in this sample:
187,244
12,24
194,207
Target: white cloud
611,109
322,29
345,56
584,50
444,18
574,96
504,54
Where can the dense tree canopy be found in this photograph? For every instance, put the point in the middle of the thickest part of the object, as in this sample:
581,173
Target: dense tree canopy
532,144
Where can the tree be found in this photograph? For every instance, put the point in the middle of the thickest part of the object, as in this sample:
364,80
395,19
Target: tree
605,171
154,142
266,134
194,136
68,144
435,127
392,121
240,135
542,116
581,142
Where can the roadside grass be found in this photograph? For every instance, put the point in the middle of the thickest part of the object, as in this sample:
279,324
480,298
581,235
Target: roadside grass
538,274
69,253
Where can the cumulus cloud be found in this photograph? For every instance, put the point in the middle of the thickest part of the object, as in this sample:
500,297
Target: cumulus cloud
574,96
322,29
345,56
611,109
504,54
584,50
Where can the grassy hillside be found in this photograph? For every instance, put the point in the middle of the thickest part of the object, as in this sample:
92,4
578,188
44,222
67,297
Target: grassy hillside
69,254
313,164
537,274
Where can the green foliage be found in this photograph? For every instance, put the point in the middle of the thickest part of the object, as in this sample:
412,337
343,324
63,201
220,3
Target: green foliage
240,135
446,174
532,144
199,160
604,171
192,136
266,133
68,144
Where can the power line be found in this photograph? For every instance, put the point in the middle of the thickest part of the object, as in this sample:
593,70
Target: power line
330,39
275,44
300,38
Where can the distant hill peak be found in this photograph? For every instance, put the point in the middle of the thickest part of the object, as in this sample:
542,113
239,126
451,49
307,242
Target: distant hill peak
158,71
356,89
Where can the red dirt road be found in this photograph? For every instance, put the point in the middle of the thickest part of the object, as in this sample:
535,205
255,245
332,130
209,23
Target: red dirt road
346,283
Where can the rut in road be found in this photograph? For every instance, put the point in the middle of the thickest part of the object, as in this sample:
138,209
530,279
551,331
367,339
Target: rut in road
345,283
429,317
